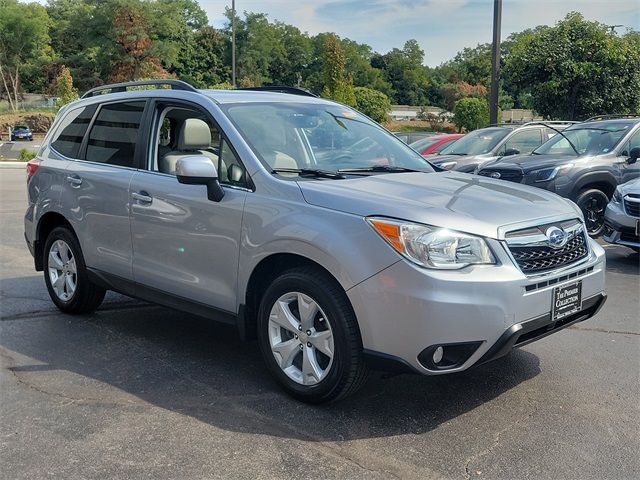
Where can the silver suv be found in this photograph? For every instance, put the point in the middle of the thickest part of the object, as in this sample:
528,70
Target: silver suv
306,225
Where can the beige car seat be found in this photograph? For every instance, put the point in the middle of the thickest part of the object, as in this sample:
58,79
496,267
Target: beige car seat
194,137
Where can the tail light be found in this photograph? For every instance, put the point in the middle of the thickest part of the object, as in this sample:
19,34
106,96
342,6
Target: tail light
32,167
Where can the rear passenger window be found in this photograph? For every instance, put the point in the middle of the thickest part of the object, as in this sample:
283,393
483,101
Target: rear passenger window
68,137
114,134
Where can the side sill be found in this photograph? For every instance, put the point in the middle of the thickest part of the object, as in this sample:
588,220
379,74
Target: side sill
166,299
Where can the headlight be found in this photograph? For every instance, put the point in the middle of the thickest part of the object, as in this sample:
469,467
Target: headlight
447,165
433,247
548,174
617,196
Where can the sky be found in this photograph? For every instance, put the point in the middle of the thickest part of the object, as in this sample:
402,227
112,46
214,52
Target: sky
442,27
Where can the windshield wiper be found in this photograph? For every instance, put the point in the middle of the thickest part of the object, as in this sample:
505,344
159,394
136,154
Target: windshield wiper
379,168
310,172
565,137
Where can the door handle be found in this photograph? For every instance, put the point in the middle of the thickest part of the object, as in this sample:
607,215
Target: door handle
74,180
142,197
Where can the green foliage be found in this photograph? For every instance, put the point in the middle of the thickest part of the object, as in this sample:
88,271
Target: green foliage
471,113
372,103
64,89
577,69
404,71
26,155
24,39
338,85
222,86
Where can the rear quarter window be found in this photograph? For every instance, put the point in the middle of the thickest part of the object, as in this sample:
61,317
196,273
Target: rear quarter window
72,129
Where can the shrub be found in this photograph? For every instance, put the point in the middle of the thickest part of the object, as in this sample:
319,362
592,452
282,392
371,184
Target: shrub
26,155
471,113
373,103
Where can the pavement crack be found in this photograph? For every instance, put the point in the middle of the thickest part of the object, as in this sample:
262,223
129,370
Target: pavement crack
603,330
496,441
35,314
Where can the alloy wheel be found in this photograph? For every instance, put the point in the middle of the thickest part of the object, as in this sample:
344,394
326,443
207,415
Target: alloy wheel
301,339
62,268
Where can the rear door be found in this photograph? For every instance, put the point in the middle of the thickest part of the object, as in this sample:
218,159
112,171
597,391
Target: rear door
96,193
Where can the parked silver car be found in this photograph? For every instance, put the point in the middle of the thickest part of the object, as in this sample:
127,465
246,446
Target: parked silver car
622,216
306,225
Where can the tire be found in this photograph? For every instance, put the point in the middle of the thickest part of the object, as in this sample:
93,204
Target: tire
593,203
334,377
85,297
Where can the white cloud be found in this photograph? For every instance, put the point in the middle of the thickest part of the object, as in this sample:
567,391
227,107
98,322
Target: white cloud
442,27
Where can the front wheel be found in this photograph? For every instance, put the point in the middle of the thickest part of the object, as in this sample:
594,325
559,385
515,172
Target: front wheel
593,203
66,275
309,337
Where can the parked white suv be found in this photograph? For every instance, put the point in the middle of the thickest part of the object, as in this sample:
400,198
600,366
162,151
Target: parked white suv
306,225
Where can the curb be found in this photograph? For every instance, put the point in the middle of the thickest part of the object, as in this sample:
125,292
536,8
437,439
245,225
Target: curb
13,165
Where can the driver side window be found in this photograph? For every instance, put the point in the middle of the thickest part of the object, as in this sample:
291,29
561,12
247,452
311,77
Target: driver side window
184,131
525,142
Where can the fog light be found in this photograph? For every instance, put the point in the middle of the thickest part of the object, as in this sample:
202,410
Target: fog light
437,355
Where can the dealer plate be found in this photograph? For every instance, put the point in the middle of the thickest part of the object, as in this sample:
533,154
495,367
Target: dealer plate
567,300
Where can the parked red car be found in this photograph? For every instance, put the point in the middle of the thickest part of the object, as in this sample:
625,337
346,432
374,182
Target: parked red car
432,145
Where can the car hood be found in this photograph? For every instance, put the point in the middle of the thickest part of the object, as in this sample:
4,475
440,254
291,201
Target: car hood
464,159
632,186
529,162
453,200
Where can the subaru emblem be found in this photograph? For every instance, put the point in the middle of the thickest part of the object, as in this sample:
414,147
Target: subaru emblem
556,237
495,175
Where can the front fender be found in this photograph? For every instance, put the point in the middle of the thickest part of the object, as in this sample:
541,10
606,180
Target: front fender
344,244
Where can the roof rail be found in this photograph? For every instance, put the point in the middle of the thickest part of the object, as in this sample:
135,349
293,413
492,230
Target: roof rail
281,89
122,87
615,115
534,122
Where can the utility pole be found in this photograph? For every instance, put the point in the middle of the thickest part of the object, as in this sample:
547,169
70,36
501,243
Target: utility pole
233,42
495,62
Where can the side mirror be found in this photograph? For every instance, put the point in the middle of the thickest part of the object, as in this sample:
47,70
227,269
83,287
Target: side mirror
511,151
633,155
200,170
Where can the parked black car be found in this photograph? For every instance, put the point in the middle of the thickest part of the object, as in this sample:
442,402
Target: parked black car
585,163
21,132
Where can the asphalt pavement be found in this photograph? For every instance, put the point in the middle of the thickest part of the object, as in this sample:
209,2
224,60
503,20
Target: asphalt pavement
136,391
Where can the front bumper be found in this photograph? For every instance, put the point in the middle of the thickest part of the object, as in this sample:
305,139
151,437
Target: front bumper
621,228
484,311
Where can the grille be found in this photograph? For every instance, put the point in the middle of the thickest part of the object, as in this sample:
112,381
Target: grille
505,174
632,207
540,258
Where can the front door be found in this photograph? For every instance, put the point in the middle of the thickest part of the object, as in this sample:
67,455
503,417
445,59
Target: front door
185,244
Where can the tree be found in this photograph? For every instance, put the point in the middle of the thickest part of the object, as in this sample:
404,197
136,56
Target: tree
372,103
202,60
24,38
576,69
64,90
403,69
135,56
337,84
471,113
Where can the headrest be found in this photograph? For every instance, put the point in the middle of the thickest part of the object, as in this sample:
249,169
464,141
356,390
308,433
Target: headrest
194,135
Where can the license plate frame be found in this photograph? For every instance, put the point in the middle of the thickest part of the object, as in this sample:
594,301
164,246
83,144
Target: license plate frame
566,300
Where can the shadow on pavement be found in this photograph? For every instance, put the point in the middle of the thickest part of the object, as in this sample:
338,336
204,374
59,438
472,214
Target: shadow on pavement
201,369
623,260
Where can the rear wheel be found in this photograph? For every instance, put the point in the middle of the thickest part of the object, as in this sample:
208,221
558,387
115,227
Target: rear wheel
593,203
66,275
309,337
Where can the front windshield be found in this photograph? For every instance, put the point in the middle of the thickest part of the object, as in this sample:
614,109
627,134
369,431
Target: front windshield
477,142
587,140
319,136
